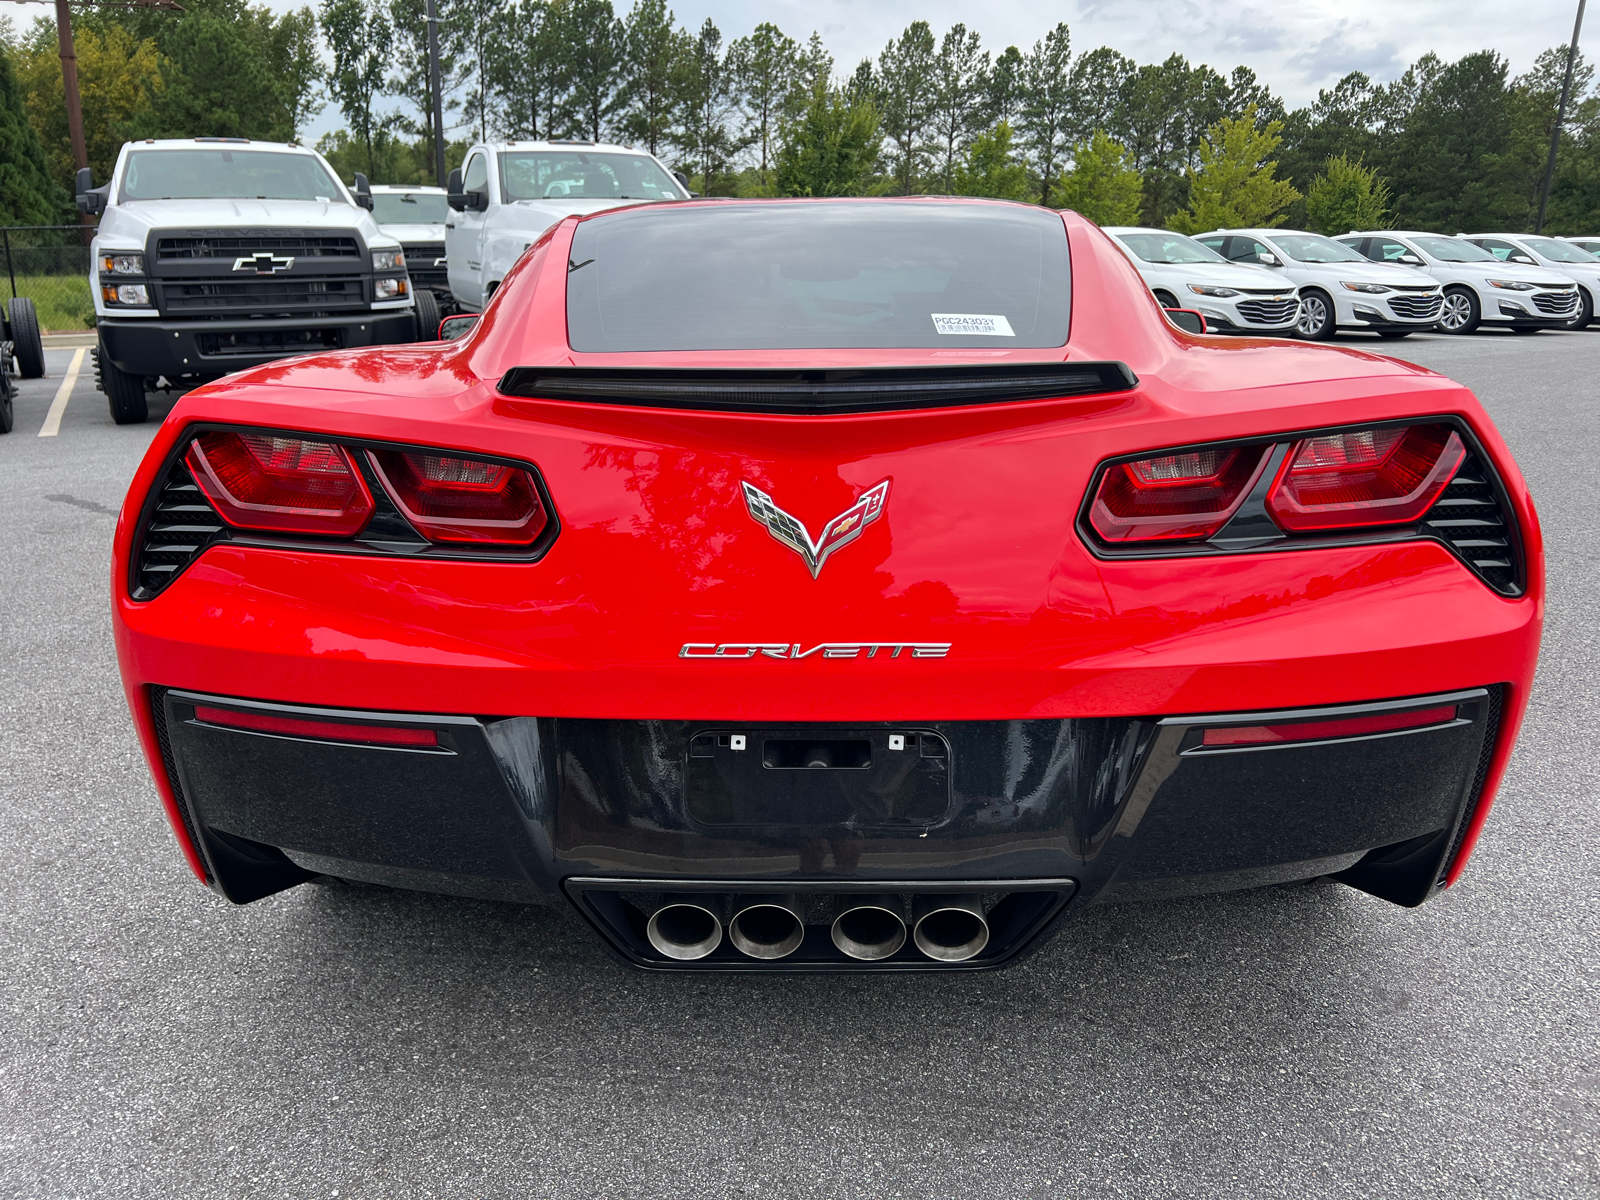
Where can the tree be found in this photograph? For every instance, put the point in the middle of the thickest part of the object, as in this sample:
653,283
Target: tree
906,93
296,64
28,196
960,73
1101,80
710,100
218,77
1347,195
591,40
1047,104
360,37
989,169
474,31
409,78
1003,87
1234,184
767,67
526,71
832,148
655,51
1103,184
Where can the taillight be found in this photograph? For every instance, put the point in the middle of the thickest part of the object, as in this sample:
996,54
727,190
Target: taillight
1186,495
1365,477
329,731
284,484
1337,727
452,499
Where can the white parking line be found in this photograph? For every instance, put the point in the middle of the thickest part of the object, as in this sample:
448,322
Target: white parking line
58,406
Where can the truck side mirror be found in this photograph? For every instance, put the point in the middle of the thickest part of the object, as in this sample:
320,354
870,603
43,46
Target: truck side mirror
682,179
89,200
456,197
363,192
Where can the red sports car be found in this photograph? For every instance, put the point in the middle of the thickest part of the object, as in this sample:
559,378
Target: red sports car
828,584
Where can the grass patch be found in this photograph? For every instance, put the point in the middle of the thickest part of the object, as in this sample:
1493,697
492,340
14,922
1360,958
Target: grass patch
62,301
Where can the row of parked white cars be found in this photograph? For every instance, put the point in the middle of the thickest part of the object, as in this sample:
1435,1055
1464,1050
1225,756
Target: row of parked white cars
1275,281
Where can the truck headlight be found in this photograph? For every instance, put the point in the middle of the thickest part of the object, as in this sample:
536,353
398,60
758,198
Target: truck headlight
388,260
134,294
1372,289
390,289
122,264
1205,289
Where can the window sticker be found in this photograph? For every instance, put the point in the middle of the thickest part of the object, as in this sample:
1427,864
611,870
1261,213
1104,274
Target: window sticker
982,324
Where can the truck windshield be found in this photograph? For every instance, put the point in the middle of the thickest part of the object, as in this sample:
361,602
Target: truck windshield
567,174
409,208
819,274
226,174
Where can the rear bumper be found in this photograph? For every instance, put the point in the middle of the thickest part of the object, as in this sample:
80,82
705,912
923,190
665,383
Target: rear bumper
1056,813
212,348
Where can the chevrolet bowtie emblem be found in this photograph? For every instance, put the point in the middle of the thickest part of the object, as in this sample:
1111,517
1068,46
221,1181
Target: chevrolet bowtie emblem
841,531
262,263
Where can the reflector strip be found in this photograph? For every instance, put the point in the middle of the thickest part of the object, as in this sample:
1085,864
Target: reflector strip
327,731
1315,731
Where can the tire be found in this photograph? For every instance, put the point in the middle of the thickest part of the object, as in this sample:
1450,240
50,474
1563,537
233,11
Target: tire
1529,328
1166,299
1461,312
1395,334
8,413
1317,321
124,392
1585,311
428,317
26,342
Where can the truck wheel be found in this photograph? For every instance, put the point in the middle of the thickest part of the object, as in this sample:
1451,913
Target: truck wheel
427,316
29,346
7,391
124,392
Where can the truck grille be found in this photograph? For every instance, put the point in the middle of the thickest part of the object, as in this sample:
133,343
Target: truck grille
208,295
296,246
1416,307
1557,304
420,259
1269,312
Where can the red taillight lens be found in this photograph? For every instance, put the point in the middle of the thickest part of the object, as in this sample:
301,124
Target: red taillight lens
453,499
1188,495
323,731
289,485
1339,727
1367,477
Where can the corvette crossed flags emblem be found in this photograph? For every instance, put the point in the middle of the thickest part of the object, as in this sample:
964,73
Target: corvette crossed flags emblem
841,531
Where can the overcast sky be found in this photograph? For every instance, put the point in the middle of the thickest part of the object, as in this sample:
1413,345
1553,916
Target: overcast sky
1295,48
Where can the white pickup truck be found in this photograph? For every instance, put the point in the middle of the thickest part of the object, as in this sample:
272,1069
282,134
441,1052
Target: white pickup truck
216,254
506,194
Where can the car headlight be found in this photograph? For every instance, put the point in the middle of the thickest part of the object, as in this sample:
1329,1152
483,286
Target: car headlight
1372,289
388,260
136,294
1513,285
122,264
390,289
1205,289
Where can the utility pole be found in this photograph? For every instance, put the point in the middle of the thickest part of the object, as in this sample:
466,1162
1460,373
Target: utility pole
435,90
1561,117
69,83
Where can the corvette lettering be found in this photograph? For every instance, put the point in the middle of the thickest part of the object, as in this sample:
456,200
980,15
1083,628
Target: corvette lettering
793,650
841,531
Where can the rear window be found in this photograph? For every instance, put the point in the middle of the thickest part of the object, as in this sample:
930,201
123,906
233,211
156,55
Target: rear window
819,275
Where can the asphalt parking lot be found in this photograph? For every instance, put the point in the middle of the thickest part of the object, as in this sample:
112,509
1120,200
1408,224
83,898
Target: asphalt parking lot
356,1042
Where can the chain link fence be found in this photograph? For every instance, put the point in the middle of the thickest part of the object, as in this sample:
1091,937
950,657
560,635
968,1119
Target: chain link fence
50,265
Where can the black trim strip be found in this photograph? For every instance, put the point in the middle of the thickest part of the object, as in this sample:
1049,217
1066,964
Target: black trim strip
819,392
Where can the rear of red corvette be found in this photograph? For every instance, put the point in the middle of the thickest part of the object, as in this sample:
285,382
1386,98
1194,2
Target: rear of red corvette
828,585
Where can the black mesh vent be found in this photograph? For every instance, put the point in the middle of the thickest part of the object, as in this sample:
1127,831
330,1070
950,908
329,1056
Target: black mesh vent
158,715
1471,520
182,524
307,246
288,293
1491,734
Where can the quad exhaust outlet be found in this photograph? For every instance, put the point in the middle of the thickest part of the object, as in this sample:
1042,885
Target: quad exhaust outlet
767,927
686,927
949,928
869,928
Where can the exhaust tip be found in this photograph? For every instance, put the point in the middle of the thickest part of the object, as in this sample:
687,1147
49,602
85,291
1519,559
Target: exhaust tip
767,927
685,929
869,928
950,928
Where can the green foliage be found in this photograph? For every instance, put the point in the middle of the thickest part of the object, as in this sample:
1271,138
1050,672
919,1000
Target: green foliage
831,148
28,196
904,87
1347,195
1233,184
989,169
1046,118
767,73
394,159
361,37
656,54
1103,183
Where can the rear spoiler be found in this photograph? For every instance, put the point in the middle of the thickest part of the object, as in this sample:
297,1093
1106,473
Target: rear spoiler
822,392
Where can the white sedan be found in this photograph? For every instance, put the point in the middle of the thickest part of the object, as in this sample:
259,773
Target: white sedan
1533,250
1233,298
1478,288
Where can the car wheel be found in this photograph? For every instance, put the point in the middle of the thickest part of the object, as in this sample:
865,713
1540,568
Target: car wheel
1316,322
427,316
1393,334
25,340
1167,300
8,413
1460,313
1585,311
124,392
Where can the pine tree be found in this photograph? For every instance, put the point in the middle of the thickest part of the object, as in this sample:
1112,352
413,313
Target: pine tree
28,196
832,148
655,54
906,91
1047,103
767,65
960,74
360,37
988,168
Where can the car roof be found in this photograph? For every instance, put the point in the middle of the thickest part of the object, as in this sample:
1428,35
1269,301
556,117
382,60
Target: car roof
409,187
1143,229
